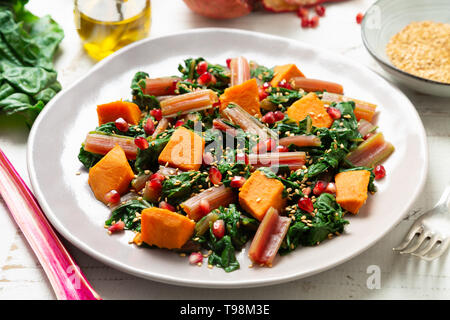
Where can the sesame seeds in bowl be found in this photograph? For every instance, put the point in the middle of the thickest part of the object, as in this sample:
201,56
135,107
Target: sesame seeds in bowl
410,39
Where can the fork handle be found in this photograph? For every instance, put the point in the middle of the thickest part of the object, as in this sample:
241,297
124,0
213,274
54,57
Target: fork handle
65,276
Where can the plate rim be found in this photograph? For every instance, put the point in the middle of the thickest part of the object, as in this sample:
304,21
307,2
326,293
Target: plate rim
208,283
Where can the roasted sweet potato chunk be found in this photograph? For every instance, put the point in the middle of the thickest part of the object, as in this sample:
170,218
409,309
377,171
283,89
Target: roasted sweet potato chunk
110,112
285,72
310,105
351,189
245,95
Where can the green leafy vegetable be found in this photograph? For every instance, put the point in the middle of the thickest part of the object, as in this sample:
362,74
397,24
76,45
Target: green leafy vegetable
148,159
88,159
262,73
178,188
127,213
144,101
27,46
284,97
110,128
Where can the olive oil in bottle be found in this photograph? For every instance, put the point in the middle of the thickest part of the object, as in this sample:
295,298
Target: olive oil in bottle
108,25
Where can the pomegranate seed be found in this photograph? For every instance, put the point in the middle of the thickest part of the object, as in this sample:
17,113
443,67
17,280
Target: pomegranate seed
314,22
195,257
178,123
174,86
268,118
167,206
306,204
155,184
207,158
112,197
331,188
242,157
367,136
305,22
306,191
237,182
334,113
204,78
218,228
214,175
265,146
284,84
228,62
266,85
213,80
379,171
320,187
141,143
202,67
278,115
262,94
302,12
121,125
320,10
156,113
359,17
282,149
116,227
204,206
158,176
149,127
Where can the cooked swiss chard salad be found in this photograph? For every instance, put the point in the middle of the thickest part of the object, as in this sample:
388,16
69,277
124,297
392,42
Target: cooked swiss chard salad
219,156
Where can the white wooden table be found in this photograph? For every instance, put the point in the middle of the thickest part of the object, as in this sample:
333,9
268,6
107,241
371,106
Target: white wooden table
402,277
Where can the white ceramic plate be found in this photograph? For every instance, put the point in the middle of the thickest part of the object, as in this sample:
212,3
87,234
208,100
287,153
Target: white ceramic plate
72,209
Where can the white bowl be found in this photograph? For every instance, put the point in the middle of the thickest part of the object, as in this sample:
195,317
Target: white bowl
385,18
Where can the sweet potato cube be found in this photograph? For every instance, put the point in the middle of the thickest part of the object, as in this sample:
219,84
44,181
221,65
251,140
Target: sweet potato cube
259,193
310,105
165,229
245,95
285,72
351,189
112,172
109,112
184,150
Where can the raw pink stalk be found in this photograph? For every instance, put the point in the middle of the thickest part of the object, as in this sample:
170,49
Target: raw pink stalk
65,276
161,127
268,238
363,109
216,196
371,152
222,126
300,141
161,86
188,102
103,143
365,127
240,70
295,160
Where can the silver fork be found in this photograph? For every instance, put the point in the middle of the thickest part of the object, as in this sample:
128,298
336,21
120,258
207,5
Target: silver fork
432,231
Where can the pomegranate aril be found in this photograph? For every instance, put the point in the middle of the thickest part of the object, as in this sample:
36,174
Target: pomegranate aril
262,94
282,149
314,22
266,85
149,127
359,17
334,113
367,136
242,157
174,86
167,206
155,184
156,113
116,227
204,206
306,191
237,182
202,67
306,204
379,172
218,228
284,84
141,143
158,176
121,125
195,257
207,158
112,197
228,62
268,118
320,10
178,123
265,146
320,187
302,12
278,115
214,175
331,188
204,78
305,22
